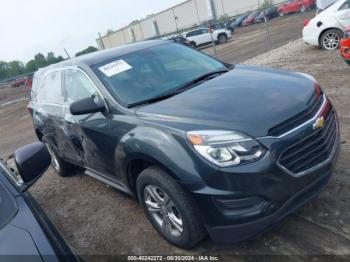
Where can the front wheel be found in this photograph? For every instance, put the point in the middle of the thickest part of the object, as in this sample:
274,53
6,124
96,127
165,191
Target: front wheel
280,13
222,38
169,208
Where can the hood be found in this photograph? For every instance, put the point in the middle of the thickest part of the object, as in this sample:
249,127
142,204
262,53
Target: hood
247,99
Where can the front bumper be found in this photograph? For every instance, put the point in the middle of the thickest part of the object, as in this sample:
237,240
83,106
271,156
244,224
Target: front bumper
244,201
239,232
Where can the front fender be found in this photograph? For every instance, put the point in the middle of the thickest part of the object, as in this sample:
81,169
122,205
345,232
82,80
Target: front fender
161,147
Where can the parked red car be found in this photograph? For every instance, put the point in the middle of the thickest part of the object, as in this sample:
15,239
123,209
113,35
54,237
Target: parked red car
250,19
295,6
345,46
27,81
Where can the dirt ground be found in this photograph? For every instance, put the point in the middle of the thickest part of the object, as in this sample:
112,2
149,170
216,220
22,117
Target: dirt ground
98,220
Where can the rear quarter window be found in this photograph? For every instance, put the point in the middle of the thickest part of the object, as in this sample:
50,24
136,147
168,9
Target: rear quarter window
345,6
50,90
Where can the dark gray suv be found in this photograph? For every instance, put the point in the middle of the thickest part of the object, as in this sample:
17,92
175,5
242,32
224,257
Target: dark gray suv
206,147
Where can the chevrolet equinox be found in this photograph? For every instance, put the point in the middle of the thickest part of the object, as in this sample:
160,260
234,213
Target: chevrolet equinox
205,146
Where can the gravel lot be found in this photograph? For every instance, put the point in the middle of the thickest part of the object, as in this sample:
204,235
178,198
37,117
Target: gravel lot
98,220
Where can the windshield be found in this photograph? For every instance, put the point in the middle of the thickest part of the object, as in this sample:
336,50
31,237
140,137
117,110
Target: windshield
152,72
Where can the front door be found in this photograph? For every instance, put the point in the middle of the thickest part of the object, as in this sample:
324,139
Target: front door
87,133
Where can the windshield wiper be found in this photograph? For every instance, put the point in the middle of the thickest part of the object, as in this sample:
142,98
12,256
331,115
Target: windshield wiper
151,100
181,89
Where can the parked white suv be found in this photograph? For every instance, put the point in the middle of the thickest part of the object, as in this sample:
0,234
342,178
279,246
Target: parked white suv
202,36
327,28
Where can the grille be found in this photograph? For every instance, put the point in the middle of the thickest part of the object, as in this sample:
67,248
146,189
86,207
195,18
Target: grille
314,105
313,150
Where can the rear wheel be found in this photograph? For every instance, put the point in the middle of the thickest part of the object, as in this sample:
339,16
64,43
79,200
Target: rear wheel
169,208
60,166
222,38
330,39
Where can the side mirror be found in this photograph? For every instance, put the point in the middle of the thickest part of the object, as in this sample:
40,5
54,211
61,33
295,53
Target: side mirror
31,162
86,106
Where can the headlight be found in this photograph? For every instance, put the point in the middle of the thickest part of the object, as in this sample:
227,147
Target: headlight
226,148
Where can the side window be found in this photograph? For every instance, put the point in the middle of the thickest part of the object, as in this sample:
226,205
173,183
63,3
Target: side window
190,34
346,5
78,86
50,90
198,32
204,31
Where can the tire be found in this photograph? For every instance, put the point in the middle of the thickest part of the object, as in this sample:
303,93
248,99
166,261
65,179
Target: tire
330,39
280,13
222,38
193,45
302,9
179,212
61,167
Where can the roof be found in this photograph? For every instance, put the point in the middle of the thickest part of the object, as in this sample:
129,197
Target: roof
107,54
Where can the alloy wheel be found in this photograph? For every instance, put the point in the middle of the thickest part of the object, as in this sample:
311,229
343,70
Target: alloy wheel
163,211
331,41
222,39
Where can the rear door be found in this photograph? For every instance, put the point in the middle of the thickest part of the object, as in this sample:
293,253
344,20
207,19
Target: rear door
195,36
48,109
205,36
87,134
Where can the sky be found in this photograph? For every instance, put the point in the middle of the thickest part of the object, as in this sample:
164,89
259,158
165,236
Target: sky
28,27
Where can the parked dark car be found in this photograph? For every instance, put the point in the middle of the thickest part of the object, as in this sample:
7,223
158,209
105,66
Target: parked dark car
238,21
250,19
25,231
206,147
180,40
228,24
269,13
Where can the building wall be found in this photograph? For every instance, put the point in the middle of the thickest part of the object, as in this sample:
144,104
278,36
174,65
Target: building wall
117,39
233,8
202,8
137,32
180,17
166,22
186,14
147,27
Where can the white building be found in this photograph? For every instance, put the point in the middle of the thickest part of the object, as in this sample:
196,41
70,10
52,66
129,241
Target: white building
180,17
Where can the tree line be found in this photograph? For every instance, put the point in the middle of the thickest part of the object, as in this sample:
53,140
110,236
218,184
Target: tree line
16,68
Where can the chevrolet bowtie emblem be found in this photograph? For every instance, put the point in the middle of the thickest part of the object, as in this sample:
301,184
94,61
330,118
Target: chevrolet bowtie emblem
319,123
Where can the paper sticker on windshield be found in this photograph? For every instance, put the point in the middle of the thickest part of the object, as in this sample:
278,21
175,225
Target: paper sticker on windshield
115,68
